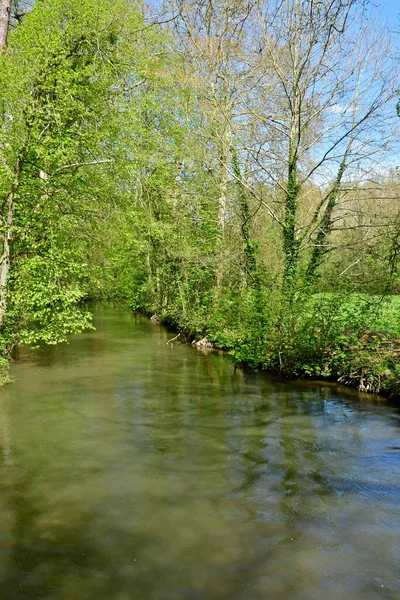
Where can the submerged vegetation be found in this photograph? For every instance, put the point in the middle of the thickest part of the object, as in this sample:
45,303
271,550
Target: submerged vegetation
229,167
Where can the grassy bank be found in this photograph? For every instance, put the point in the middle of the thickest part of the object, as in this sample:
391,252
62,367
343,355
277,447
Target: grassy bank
353,339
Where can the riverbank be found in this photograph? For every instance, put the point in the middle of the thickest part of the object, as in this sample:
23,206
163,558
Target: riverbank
345,340
352,341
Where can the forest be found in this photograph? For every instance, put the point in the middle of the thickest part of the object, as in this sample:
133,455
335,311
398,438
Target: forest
230,168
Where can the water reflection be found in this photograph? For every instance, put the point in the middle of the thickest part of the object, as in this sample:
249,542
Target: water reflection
136,469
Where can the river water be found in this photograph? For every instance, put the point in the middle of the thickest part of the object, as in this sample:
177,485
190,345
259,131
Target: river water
136,469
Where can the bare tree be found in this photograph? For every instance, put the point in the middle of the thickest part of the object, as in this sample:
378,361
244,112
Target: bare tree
324,76
213,38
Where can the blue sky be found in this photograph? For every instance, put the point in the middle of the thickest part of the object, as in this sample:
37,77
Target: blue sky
391,10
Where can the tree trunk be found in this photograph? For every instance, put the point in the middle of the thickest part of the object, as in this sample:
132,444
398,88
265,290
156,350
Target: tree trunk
223,194
5,258
250,260
290,243
5,7
325,228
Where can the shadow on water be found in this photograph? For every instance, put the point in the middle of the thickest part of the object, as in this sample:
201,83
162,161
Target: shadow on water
136,469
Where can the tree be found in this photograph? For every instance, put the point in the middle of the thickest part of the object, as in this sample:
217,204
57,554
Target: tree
213,38
64,80
326,75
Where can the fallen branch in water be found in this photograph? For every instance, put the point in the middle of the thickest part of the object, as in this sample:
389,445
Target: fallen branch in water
174,338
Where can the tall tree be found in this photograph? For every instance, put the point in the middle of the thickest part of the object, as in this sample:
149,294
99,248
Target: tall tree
5,9
64,83
213,38
325,74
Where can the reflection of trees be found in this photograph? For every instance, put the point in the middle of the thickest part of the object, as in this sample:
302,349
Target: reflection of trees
59,558
309,441
203,474
5,434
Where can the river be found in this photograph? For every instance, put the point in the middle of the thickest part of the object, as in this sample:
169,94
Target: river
133,469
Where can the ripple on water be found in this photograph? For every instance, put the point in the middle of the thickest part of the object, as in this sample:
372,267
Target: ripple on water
134,469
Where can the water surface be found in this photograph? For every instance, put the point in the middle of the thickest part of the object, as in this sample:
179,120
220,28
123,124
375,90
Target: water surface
133,469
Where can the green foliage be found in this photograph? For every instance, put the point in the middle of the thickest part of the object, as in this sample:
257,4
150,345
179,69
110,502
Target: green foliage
44,298
65,83
110,150
4,371
328,336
